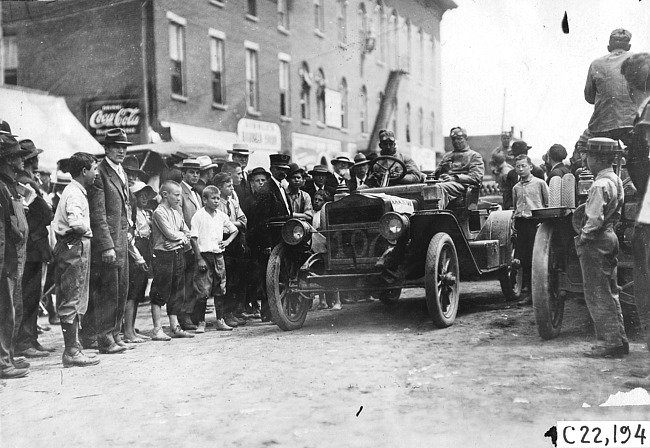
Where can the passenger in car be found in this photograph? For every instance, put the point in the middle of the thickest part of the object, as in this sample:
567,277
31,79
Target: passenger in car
459,169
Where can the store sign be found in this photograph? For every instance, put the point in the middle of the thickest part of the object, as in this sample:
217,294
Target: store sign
104,115
309,150
260,135
333,105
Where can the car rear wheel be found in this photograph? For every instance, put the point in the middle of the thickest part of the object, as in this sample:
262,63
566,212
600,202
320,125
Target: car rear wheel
288,309
548,303
441,280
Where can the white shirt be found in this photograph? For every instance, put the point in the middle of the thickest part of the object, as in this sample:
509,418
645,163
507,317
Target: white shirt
117,167
209,229
72,210
282,192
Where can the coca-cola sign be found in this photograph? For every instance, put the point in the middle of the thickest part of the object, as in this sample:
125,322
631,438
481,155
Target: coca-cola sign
104,115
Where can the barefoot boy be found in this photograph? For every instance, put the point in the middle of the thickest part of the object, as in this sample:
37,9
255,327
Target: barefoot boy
208,227
170,237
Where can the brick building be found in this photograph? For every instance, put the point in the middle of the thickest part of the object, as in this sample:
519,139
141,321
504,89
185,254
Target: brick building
299,76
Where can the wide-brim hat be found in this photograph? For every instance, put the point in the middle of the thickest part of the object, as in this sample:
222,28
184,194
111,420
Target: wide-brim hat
116,136
240,148
206,163
9,147
280,160
62,178
295,168
259,170
131,164
342,158
602,145
519,147
29,145
360,159
190,164
141,186
318,169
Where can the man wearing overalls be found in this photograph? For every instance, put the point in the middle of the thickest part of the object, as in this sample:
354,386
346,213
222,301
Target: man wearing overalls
597,247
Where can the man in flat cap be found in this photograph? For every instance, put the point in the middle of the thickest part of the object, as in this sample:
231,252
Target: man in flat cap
460,168
388,147
606,89
39,216
110,215
13,236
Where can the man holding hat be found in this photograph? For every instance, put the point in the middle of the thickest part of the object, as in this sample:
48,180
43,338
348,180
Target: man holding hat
110,210
321,179
38,252
519,147
388,147
190,202
13,236
597,247
459,168
606,89
555,157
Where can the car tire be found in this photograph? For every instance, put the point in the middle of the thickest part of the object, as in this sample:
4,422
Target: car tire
289,310
548,303
442,280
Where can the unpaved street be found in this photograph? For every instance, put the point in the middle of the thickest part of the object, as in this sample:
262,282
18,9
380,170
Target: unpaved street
364,376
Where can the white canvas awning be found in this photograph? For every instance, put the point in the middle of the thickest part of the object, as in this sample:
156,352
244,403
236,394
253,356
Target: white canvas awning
47,121
185,133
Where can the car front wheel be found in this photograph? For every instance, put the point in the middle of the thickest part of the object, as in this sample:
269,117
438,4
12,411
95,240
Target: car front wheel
441,280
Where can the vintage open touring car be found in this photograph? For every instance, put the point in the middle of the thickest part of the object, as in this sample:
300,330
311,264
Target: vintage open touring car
382,240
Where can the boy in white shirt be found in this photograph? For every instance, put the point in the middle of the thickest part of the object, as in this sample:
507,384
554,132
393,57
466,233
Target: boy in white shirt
207,230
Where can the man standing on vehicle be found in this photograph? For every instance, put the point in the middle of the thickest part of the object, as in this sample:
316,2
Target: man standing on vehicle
597,248
389,148
459,169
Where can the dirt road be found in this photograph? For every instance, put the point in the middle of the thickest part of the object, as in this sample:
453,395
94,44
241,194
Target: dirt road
364,376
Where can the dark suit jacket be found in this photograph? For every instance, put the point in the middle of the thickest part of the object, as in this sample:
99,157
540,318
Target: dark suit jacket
330,186
39,216
188,204
558,171
109,207
278,206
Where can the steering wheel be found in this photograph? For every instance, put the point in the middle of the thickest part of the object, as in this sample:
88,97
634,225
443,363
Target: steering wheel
387,168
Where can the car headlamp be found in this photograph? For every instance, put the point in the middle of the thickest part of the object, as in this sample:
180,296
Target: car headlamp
393,225
295,231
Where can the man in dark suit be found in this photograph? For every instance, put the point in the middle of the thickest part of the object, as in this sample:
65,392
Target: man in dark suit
321,179
110,212
190,203
240,153
359,172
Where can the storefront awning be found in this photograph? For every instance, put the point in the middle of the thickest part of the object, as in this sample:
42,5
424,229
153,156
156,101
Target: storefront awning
47,121
185,133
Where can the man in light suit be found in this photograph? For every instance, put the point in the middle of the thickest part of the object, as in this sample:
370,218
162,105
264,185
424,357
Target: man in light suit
190,203
110,212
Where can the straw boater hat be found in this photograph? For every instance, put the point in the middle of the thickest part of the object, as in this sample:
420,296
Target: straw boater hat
601,145
342,158
62,178
116,136
190,163
206,163
240,149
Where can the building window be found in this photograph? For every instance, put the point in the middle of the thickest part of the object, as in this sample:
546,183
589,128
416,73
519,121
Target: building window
341,20
320,95
343,89
252,8
10,60
177,54
285,82
409,48
319,16
408,123
363,109
283,14
382,32
420,55
305,91
217,66
421,127
252,81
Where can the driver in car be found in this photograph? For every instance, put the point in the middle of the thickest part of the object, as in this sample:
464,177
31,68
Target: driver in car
389,148
459,168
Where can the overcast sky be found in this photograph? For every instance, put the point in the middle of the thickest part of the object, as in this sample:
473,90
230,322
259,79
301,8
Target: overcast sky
519,46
